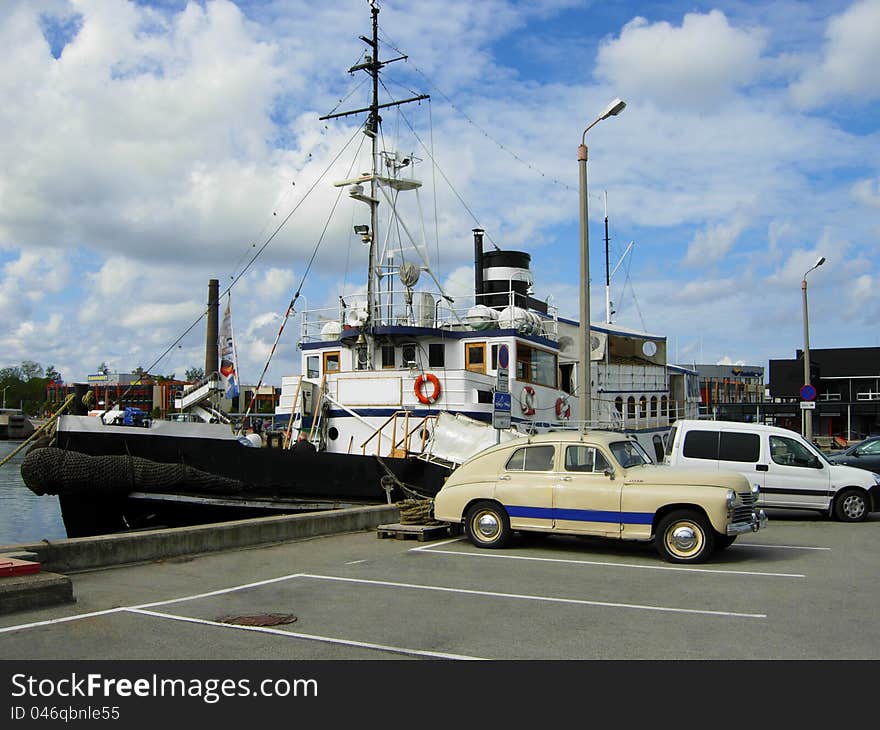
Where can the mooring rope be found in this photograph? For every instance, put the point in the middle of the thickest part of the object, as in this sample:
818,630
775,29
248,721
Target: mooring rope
50,424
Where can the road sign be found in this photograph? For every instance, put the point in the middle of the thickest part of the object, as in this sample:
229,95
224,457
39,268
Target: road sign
503,357
501,403
808,392
808,405
502,381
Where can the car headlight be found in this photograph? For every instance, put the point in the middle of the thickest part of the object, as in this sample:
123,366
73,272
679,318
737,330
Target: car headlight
876,478
731,499
756,490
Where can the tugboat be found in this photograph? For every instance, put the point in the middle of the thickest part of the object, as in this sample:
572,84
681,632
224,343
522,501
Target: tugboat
398,385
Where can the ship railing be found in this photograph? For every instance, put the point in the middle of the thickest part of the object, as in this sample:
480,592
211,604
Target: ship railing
408,309
402,445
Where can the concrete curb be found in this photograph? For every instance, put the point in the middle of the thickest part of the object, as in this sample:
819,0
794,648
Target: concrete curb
28,592
86,553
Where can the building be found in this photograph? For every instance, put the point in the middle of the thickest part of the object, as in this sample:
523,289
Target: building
847,382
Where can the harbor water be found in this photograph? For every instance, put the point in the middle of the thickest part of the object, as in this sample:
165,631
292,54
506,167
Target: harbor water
24,517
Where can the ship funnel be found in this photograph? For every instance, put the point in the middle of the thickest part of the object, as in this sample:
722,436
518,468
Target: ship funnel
212,355
478,265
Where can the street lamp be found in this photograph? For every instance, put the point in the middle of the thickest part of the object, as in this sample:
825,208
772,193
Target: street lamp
4,395
584,380
808,414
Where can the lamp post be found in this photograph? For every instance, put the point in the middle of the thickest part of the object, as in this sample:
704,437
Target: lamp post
584,380
808,414
4,396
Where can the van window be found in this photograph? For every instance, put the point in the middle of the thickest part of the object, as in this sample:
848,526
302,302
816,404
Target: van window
789,452
737,446
700,445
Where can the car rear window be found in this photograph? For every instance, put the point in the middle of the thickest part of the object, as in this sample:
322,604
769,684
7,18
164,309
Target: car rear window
531,458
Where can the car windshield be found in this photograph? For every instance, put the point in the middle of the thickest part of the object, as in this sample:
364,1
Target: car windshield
630,453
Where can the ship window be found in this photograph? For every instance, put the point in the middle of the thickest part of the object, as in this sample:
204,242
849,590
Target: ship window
566,377
535,366
331,362
664,406
312,366
475,356
388,356
630,407
408,353
653,406
643,407
436,355
618,405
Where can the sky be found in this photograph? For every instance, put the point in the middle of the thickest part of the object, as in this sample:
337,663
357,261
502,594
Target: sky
149,146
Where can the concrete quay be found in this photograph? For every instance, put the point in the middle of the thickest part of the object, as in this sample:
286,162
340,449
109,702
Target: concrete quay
59,557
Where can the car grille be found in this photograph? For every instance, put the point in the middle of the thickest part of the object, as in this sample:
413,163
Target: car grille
744,512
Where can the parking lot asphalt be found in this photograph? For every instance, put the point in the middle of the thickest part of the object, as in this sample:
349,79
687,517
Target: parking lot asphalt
804,588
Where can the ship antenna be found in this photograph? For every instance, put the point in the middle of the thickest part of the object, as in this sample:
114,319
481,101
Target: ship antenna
372,65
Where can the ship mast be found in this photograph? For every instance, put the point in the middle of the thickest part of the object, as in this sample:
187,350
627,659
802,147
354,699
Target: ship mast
372,65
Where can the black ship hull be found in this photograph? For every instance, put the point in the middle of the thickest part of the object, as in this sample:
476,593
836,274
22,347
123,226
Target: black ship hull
233,481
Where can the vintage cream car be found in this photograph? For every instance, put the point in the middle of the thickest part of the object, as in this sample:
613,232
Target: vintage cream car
597,483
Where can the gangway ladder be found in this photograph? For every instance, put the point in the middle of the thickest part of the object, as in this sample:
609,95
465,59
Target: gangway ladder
293,411
318,412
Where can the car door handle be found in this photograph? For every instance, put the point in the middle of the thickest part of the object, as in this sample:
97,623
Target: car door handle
762,467
504,478
564,479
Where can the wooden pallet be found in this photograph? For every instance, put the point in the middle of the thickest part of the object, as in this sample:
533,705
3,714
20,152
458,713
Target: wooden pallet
419,532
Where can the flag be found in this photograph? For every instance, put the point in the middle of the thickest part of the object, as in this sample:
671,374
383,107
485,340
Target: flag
228,358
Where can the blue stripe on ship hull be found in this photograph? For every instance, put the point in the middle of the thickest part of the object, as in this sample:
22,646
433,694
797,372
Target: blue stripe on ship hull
582,515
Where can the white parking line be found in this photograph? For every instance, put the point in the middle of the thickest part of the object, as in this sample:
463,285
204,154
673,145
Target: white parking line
462,553
545,599
782,547
307,637
62,620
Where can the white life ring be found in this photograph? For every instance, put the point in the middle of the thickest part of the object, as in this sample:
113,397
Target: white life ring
527,401
563,409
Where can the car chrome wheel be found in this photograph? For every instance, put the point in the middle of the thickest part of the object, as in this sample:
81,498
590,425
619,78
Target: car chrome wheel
684,537
487,525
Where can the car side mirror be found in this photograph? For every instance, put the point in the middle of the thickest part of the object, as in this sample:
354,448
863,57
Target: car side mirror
609,472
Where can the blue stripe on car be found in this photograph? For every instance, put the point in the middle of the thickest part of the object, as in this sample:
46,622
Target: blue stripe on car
582,515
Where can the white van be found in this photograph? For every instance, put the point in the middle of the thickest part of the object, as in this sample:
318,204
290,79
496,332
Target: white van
790,472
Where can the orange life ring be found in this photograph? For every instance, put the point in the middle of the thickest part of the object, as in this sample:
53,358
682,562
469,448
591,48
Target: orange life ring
563,409
435,388
527,402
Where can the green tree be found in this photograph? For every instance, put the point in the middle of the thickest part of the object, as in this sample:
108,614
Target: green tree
31,369
52,375
194,374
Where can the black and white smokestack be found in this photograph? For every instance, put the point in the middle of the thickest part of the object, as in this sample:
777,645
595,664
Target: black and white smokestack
212,355
478,265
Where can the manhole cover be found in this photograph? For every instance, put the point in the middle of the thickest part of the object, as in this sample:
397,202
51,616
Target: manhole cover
260,619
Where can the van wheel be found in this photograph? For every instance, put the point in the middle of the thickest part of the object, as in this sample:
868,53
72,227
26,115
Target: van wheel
487,525
724,541
685,536
851,505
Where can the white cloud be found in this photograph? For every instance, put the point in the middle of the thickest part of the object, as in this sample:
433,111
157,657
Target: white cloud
711,245
694,65
867,192
849,63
